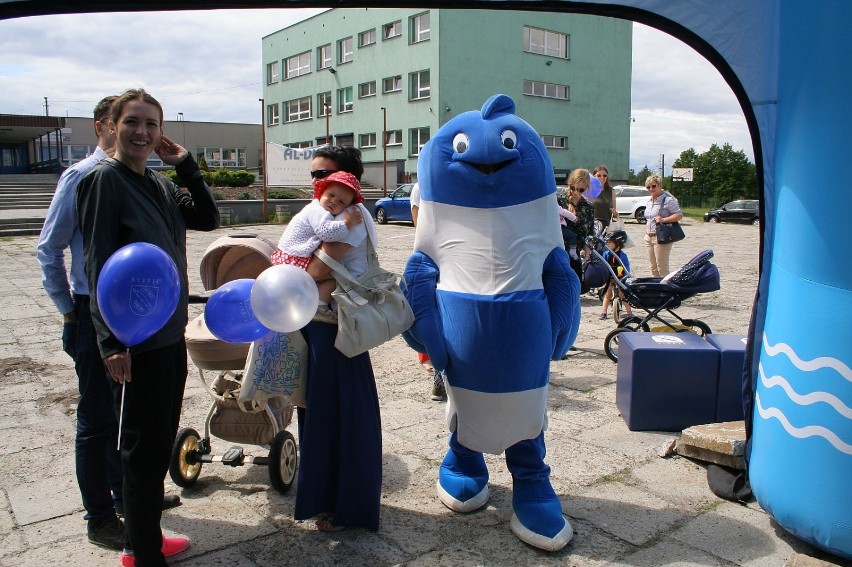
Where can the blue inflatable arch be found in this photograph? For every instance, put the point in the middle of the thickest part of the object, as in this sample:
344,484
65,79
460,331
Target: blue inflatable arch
787,63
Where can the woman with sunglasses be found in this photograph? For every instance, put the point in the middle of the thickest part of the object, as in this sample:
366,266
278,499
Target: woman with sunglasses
579,217
664,208
340,429
604,203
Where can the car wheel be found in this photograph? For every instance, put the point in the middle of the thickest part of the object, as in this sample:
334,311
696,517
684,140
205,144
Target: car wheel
755,222
381,216
714,220
639,215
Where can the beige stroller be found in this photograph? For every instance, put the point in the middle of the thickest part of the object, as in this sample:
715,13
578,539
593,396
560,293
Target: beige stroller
238,421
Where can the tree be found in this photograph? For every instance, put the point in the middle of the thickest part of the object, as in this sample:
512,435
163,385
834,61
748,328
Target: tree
720,175
634,178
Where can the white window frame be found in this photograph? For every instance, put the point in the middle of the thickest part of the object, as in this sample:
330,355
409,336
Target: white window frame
367,140
345,102
395,85
273,116
554,142
297,65
392,30
419,32
214,156
546,42
393,138
297,109
417,89
367,37
272,73
546,90
323,98
345,50
417,141
367,89
324,56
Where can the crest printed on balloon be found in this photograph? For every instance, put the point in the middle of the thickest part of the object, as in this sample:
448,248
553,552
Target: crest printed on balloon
229,315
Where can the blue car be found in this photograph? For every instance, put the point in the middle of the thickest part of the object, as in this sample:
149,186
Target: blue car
396,206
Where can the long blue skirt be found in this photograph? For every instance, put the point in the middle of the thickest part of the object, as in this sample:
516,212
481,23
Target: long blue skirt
340,435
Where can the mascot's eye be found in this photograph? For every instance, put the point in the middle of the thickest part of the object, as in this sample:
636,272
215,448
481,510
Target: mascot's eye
460,143
509,139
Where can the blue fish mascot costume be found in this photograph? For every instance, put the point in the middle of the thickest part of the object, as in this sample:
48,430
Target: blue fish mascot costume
494,299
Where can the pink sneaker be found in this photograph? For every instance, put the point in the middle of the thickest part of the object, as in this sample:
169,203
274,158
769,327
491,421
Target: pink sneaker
171,546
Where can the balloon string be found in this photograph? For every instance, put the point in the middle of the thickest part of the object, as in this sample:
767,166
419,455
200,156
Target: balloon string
121,407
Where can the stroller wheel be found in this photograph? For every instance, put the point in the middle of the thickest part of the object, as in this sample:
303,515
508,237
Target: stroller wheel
633,323
183,468
697,326
283,461
611,342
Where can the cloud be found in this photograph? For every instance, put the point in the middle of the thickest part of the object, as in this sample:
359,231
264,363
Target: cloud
207,64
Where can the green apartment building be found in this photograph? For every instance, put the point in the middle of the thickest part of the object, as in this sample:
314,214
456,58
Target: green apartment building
351,75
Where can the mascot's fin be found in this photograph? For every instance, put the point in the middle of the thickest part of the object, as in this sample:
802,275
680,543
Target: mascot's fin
462,478
497,104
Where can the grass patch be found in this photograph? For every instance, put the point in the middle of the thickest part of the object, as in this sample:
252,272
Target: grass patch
694,213
619,476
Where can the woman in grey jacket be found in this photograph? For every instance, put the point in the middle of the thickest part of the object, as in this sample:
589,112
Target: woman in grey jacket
119,202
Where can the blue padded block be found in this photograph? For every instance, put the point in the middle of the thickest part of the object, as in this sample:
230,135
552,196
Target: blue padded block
729,400
666,381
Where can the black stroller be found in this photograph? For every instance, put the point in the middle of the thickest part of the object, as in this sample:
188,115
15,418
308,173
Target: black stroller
660,296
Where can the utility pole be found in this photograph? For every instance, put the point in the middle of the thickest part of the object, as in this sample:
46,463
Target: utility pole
46,107
263,153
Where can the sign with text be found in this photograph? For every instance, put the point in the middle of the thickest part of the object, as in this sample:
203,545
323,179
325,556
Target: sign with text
288,167
682,173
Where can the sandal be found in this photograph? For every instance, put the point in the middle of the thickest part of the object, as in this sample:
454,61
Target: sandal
325,523
603,317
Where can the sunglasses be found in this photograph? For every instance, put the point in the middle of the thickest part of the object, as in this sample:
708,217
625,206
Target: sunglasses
601,175
322,173
653,186
577,189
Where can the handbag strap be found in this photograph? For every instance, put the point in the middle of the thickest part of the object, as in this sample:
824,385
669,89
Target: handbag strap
344,277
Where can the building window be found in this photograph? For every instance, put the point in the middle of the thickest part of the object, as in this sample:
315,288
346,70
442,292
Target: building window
418,138
393,138
547,90
344,100
367,89
272,73
299,145
366,38
272,117
420,27
418,85
298,65
392,84
558,142
324,103
324,56
392,30
544,42
298,109
344,50
367,140
222,157
73,154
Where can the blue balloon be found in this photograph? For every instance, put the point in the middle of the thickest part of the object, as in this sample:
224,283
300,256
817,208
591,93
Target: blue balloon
138,291
594,189
229,316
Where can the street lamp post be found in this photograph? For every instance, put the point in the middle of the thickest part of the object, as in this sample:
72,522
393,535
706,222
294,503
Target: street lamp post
263,153
183,128
327,117
385,149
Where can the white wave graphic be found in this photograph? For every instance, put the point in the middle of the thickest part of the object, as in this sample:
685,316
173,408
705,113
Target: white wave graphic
807,365
803,432
804,399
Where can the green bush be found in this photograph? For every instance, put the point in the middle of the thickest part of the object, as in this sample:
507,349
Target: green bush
222,178
218,196
242,178
208,177
282,194
245,197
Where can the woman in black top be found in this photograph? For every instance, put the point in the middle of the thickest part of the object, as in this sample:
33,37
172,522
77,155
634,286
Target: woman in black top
120,202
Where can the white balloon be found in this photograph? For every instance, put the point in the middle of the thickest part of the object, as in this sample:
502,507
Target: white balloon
594,189
284,298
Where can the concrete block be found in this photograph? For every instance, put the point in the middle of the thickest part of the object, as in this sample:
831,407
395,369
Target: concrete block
719,443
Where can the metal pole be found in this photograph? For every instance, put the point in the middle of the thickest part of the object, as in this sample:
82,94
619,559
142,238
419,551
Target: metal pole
385,149
327,117
263,153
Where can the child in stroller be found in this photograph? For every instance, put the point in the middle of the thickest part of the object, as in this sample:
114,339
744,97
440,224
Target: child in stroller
619,264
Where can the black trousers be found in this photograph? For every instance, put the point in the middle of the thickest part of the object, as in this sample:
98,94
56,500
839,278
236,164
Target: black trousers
152,403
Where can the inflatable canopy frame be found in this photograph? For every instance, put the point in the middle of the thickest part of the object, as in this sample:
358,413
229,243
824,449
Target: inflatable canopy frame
785,62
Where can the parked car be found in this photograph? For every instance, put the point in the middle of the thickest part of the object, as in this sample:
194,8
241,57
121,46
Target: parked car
396,206
744,210
631,201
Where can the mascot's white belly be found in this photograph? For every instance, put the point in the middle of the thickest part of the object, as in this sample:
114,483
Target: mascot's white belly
494,315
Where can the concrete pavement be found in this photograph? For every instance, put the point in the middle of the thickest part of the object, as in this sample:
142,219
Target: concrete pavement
628,506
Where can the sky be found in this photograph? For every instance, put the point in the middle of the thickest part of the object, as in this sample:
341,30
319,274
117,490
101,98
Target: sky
207,65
